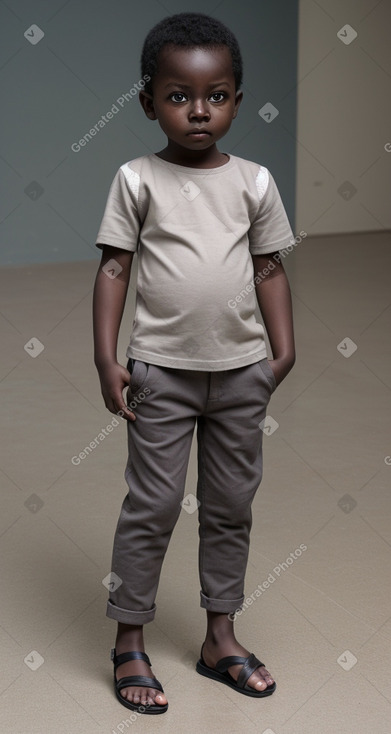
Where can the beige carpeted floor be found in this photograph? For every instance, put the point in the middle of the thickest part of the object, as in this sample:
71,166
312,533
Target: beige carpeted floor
322,624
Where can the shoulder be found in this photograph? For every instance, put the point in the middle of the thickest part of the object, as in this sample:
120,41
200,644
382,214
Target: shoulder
134,166
255,173
131,173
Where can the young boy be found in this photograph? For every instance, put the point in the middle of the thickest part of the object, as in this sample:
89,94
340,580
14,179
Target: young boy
203,223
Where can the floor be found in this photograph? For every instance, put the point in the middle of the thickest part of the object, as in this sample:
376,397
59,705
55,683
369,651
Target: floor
321,535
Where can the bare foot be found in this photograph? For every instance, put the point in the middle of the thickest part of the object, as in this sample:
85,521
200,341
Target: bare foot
214,650
129,639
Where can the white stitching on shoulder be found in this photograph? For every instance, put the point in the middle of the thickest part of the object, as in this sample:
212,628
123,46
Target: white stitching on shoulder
132,179
262,181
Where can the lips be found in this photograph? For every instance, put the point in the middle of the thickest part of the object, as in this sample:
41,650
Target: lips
199,132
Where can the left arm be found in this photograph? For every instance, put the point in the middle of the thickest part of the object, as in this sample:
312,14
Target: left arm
275,303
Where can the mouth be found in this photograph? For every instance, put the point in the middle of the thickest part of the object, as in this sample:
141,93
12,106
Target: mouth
198,134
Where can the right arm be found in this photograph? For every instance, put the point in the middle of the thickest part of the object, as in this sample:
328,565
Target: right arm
108,307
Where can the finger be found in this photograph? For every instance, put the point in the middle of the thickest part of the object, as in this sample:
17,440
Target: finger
127,379
119,407
126,413
125,374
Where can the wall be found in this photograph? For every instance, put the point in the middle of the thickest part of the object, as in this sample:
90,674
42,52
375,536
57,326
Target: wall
58,88
344,112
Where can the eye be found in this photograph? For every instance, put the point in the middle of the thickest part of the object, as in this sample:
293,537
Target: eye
174,96
177,94
218,94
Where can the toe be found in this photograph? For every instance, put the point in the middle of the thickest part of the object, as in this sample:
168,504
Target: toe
131,694
151,698
257,682
266,676
260,679
136,696
160,698
144,696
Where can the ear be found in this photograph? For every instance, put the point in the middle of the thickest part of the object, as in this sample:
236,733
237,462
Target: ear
238,99
146,101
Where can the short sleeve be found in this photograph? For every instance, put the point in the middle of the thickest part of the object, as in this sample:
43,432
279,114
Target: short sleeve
120,225
270,230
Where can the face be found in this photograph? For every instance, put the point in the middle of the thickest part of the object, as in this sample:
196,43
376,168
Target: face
194,89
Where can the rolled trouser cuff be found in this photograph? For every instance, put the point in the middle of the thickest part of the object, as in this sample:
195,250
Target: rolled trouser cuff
222,606
126,616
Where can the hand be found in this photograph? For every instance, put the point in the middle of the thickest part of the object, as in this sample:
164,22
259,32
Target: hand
280,368
113,379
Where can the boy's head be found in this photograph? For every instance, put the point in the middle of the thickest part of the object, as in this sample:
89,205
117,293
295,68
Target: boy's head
188,30
195,66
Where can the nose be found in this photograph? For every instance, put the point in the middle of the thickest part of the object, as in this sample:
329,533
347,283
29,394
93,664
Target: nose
200,109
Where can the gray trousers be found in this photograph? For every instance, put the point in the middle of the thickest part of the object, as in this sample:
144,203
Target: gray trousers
227,407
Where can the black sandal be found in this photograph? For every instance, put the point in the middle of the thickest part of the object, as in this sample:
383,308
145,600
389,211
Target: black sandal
136,680
220,673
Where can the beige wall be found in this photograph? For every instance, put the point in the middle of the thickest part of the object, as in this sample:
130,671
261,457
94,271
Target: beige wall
344,117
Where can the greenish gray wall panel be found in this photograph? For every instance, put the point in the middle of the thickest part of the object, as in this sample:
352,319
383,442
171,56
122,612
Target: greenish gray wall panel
56,89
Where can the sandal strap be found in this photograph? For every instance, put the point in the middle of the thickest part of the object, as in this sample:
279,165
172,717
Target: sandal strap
223,664
125,657
250,664
249,667
138,680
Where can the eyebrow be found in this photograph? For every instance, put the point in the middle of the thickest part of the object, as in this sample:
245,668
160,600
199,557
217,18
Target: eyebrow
185,86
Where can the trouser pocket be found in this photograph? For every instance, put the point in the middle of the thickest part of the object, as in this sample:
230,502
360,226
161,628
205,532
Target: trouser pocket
268,372
139,372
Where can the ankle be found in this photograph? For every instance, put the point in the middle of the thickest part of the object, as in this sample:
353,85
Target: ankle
218,637
219,629
217,634
130,635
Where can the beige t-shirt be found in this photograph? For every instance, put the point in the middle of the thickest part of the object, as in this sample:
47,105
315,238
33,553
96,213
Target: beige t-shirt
194,231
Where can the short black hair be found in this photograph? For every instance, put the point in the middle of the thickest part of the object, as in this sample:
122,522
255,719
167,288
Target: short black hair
191,30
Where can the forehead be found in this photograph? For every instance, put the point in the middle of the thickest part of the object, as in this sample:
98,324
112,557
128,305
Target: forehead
179,62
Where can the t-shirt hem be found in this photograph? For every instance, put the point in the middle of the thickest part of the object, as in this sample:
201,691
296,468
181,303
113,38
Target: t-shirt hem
267,249
115,242
213,365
